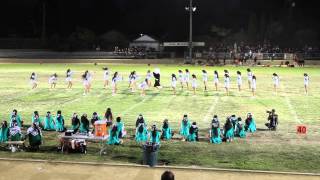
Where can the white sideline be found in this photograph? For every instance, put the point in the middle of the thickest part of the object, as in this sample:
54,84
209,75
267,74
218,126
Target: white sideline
210,111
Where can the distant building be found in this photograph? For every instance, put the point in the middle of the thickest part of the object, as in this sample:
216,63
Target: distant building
145,42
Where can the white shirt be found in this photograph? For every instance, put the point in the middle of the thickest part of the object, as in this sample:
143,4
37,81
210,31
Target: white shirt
205,77
306,80
254,84
239,79
227,82
187,77
250,74
194,82
215,77
106,75
276,80
174,82
149,76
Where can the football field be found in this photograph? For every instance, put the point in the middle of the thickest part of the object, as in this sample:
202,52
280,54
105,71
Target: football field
281,150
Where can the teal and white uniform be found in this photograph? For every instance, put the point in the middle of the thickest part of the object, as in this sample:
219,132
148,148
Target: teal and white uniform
120,129
154,138
59,121
184,129
36,120
15,133
215,135
141,133
250,125
17,118
166,132
4,132
113,136
49,123
35,136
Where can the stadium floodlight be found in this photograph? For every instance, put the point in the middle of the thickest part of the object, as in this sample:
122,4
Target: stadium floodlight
191,9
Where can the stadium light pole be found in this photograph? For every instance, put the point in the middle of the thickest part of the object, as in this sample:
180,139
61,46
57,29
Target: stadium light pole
191,9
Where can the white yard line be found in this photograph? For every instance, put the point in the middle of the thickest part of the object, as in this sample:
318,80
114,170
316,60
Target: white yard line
135,105
291,109
210,111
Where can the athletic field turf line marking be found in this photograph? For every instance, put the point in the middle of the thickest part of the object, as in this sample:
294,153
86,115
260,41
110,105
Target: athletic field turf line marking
136,105
210,111
292,111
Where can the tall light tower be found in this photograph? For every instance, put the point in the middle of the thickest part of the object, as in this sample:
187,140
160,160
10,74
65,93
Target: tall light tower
191,9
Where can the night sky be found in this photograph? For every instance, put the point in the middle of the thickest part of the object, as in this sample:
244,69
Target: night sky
165,19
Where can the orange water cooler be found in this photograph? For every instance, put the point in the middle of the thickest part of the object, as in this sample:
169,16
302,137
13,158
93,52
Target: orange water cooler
100,128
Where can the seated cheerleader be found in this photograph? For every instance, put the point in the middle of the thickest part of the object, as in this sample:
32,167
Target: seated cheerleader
59,121
33,80
143,86
49,122
228,130
240,132
4,132
53,80
36,118
154,135
250,125
114,136
234,121
141,133
16,117
35,136
166,130
120,128
194,83
84,124
95,117
193,133
185,126
75,123
214,133
15,132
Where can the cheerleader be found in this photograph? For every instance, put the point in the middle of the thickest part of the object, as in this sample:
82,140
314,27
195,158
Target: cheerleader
181,78
216,79
4,132
166,130
108,116
35,136
95,117
59,121
143,86
148,77
115,79
156,75
205,79
15,132
132,81
276,81
69,78
250,124
174,83
194,83
306,82
249,75
240,132
84,124
187,78
36,119
120,128
215,133
154,135
33,80
114,136
254,85
86,83
193,133
89,79
106,77
227,83
239,80
75,122
16,117
228,130
226,72
141,133
184,128
53,80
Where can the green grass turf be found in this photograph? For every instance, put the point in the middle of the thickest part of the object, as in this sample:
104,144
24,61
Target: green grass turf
281,150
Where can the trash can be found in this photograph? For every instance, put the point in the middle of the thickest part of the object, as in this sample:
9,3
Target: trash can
150,153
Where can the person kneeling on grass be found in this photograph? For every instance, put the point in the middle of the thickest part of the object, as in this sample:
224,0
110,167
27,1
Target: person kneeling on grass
120,128
166,130
84,124
141,133
36,119
114,136
75,123
184,128
35,136
15,117
193,133
4,132
228,130
250,124
154,135
240,132
59,121
215,133
15,132
49,122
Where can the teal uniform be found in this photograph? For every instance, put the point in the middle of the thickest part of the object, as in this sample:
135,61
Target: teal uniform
192,137
35,137
84,127
166,133
59,123
120,129
17,118
252,126
229,134
184,129
113,137
155,139
141,133
37,121
215,137
49,123
4,131
241,132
